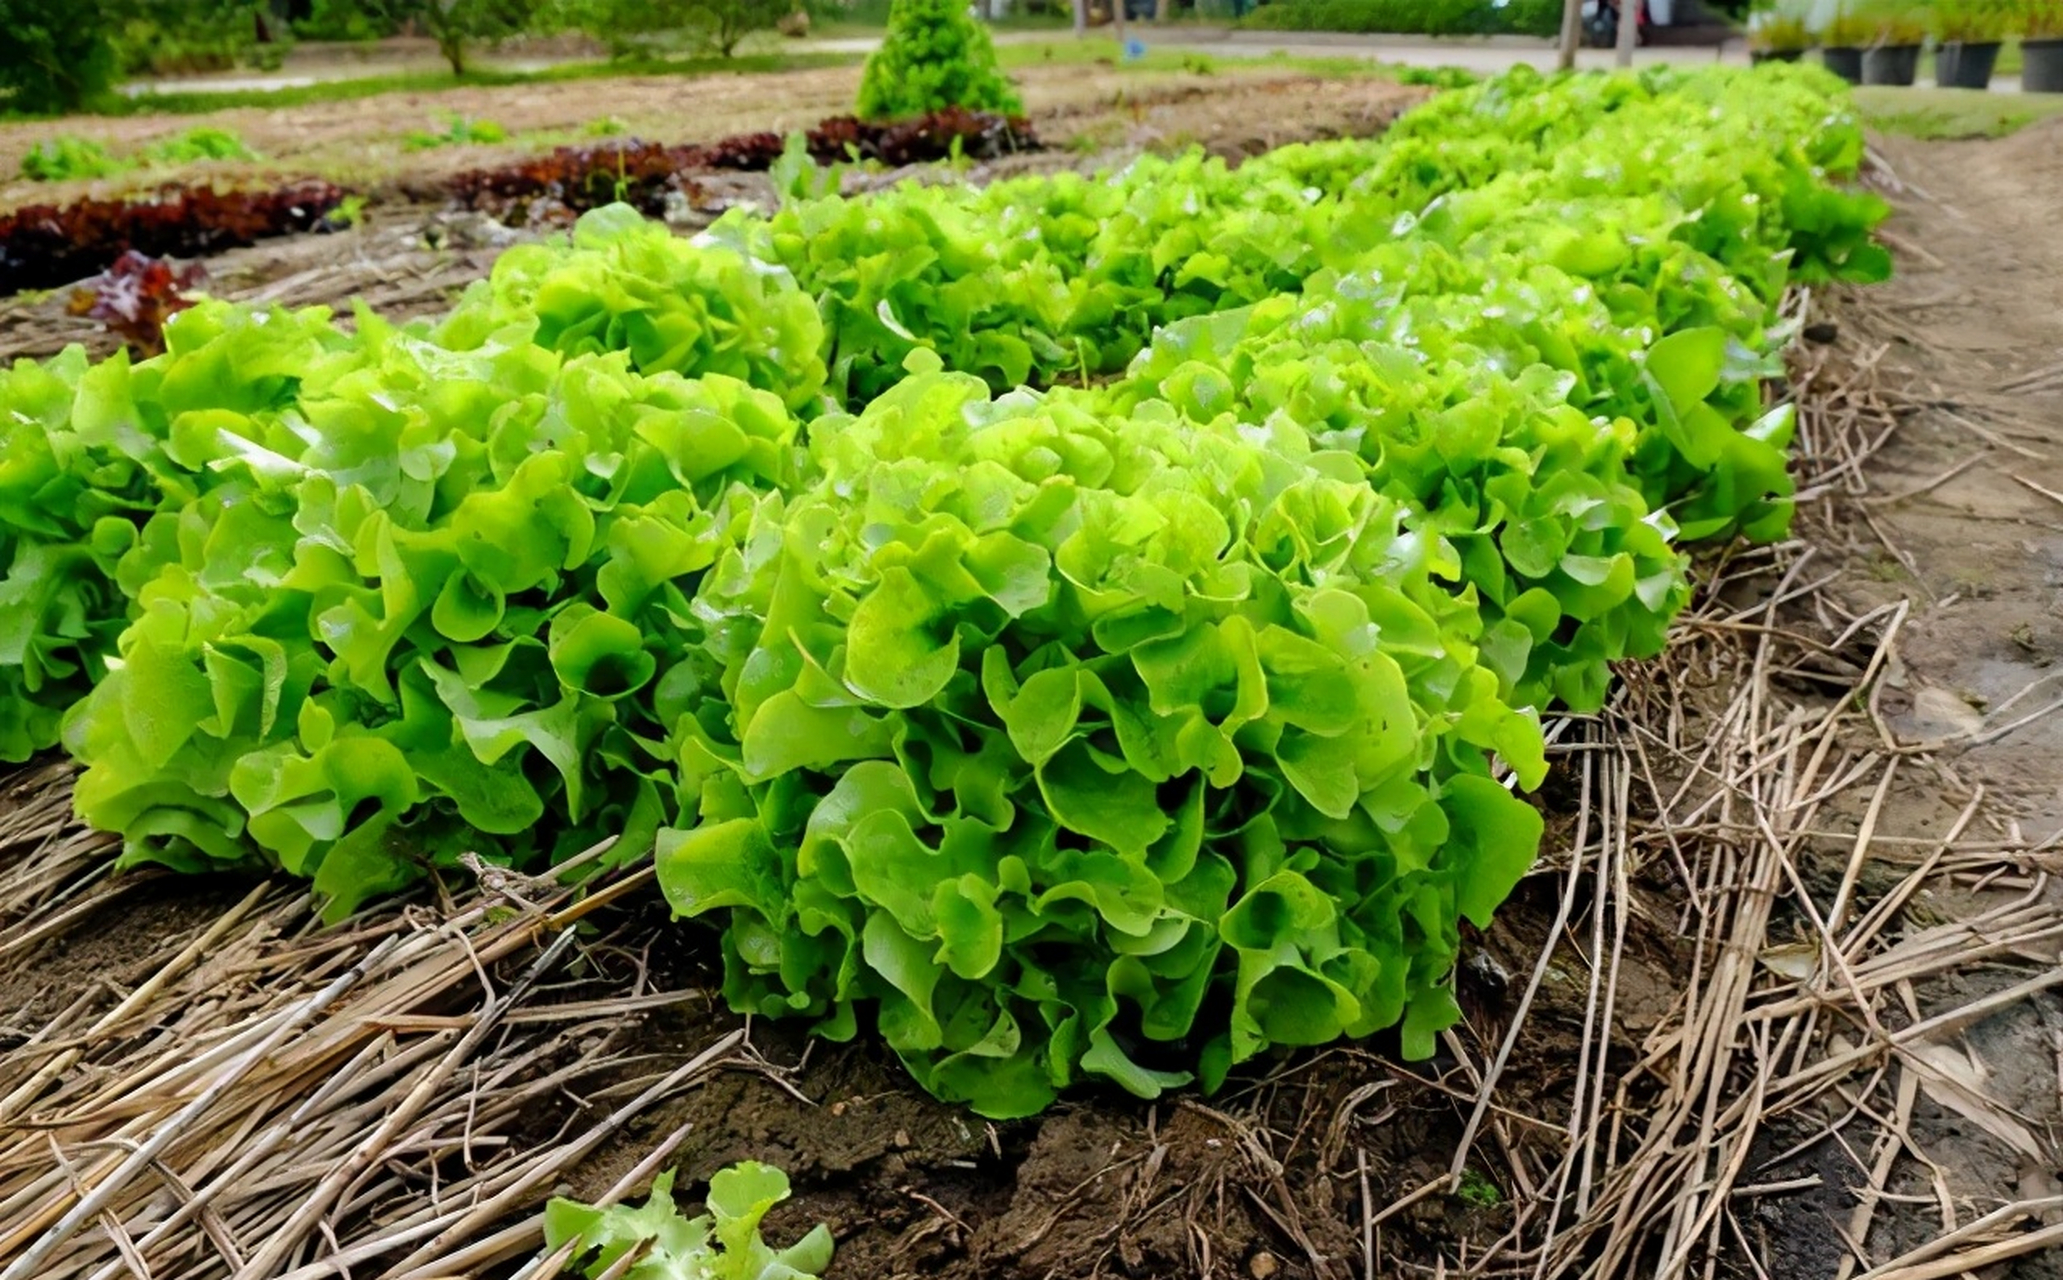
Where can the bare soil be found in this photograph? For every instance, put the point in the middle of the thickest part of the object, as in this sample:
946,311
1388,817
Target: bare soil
1965,529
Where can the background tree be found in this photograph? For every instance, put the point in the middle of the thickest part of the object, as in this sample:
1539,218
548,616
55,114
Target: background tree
456,24
934,55
725,22
172,37
57,55
630,26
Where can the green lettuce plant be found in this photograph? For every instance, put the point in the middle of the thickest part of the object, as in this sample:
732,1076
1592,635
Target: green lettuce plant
203,143
1571,564
89,460
65,157
1092,745
458,131
721,1244
418,612
673,305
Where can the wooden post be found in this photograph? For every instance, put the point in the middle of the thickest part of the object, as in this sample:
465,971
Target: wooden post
1081,17
1572,33
1629,30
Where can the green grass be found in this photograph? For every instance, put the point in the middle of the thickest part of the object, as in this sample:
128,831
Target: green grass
1937,114
360,87
1094,49
1478,1190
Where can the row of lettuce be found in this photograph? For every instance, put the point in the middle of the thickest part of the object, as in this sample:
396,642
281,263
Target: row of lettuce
1121,728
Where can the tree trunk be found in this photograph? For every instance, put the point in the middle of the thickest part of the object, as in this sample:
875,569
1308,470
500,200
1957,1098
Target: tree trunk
1572,33
1081,17
454,50
1161,9
1629,30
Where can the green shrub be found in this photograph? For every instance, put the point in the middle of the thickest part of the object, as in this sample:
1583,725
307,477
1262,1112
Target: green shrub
65,157
1412,17
933,56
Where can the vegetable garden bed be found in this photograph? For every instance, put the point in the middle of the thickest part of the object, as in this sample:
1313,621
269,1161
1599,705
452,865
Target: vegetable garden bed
1115,735
42,246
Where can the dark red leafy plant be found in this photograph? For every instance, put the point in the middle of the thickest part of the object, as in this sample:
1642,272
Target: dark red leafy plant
43,246
581,178
980,135
643,173
752,152
136,296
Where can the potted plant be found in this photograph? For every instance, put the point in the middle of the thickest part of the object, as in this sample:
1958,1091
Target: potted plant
1967,34
1841,43
2041,46
1777,37
1898,33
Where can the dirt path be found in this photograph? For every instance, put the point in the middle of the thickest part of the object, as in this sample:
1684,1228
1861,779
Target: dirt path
1979,300
1958,530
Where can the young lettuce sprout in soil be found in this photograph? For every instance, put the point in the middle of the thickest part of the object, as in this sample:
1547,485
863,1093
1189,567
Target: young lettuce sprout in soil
655,1241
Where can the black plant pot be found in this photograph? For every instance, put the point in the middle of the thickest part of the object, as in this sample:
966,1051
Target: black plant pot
1891,64
1759,56
1843,62
2042,69
1965,66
